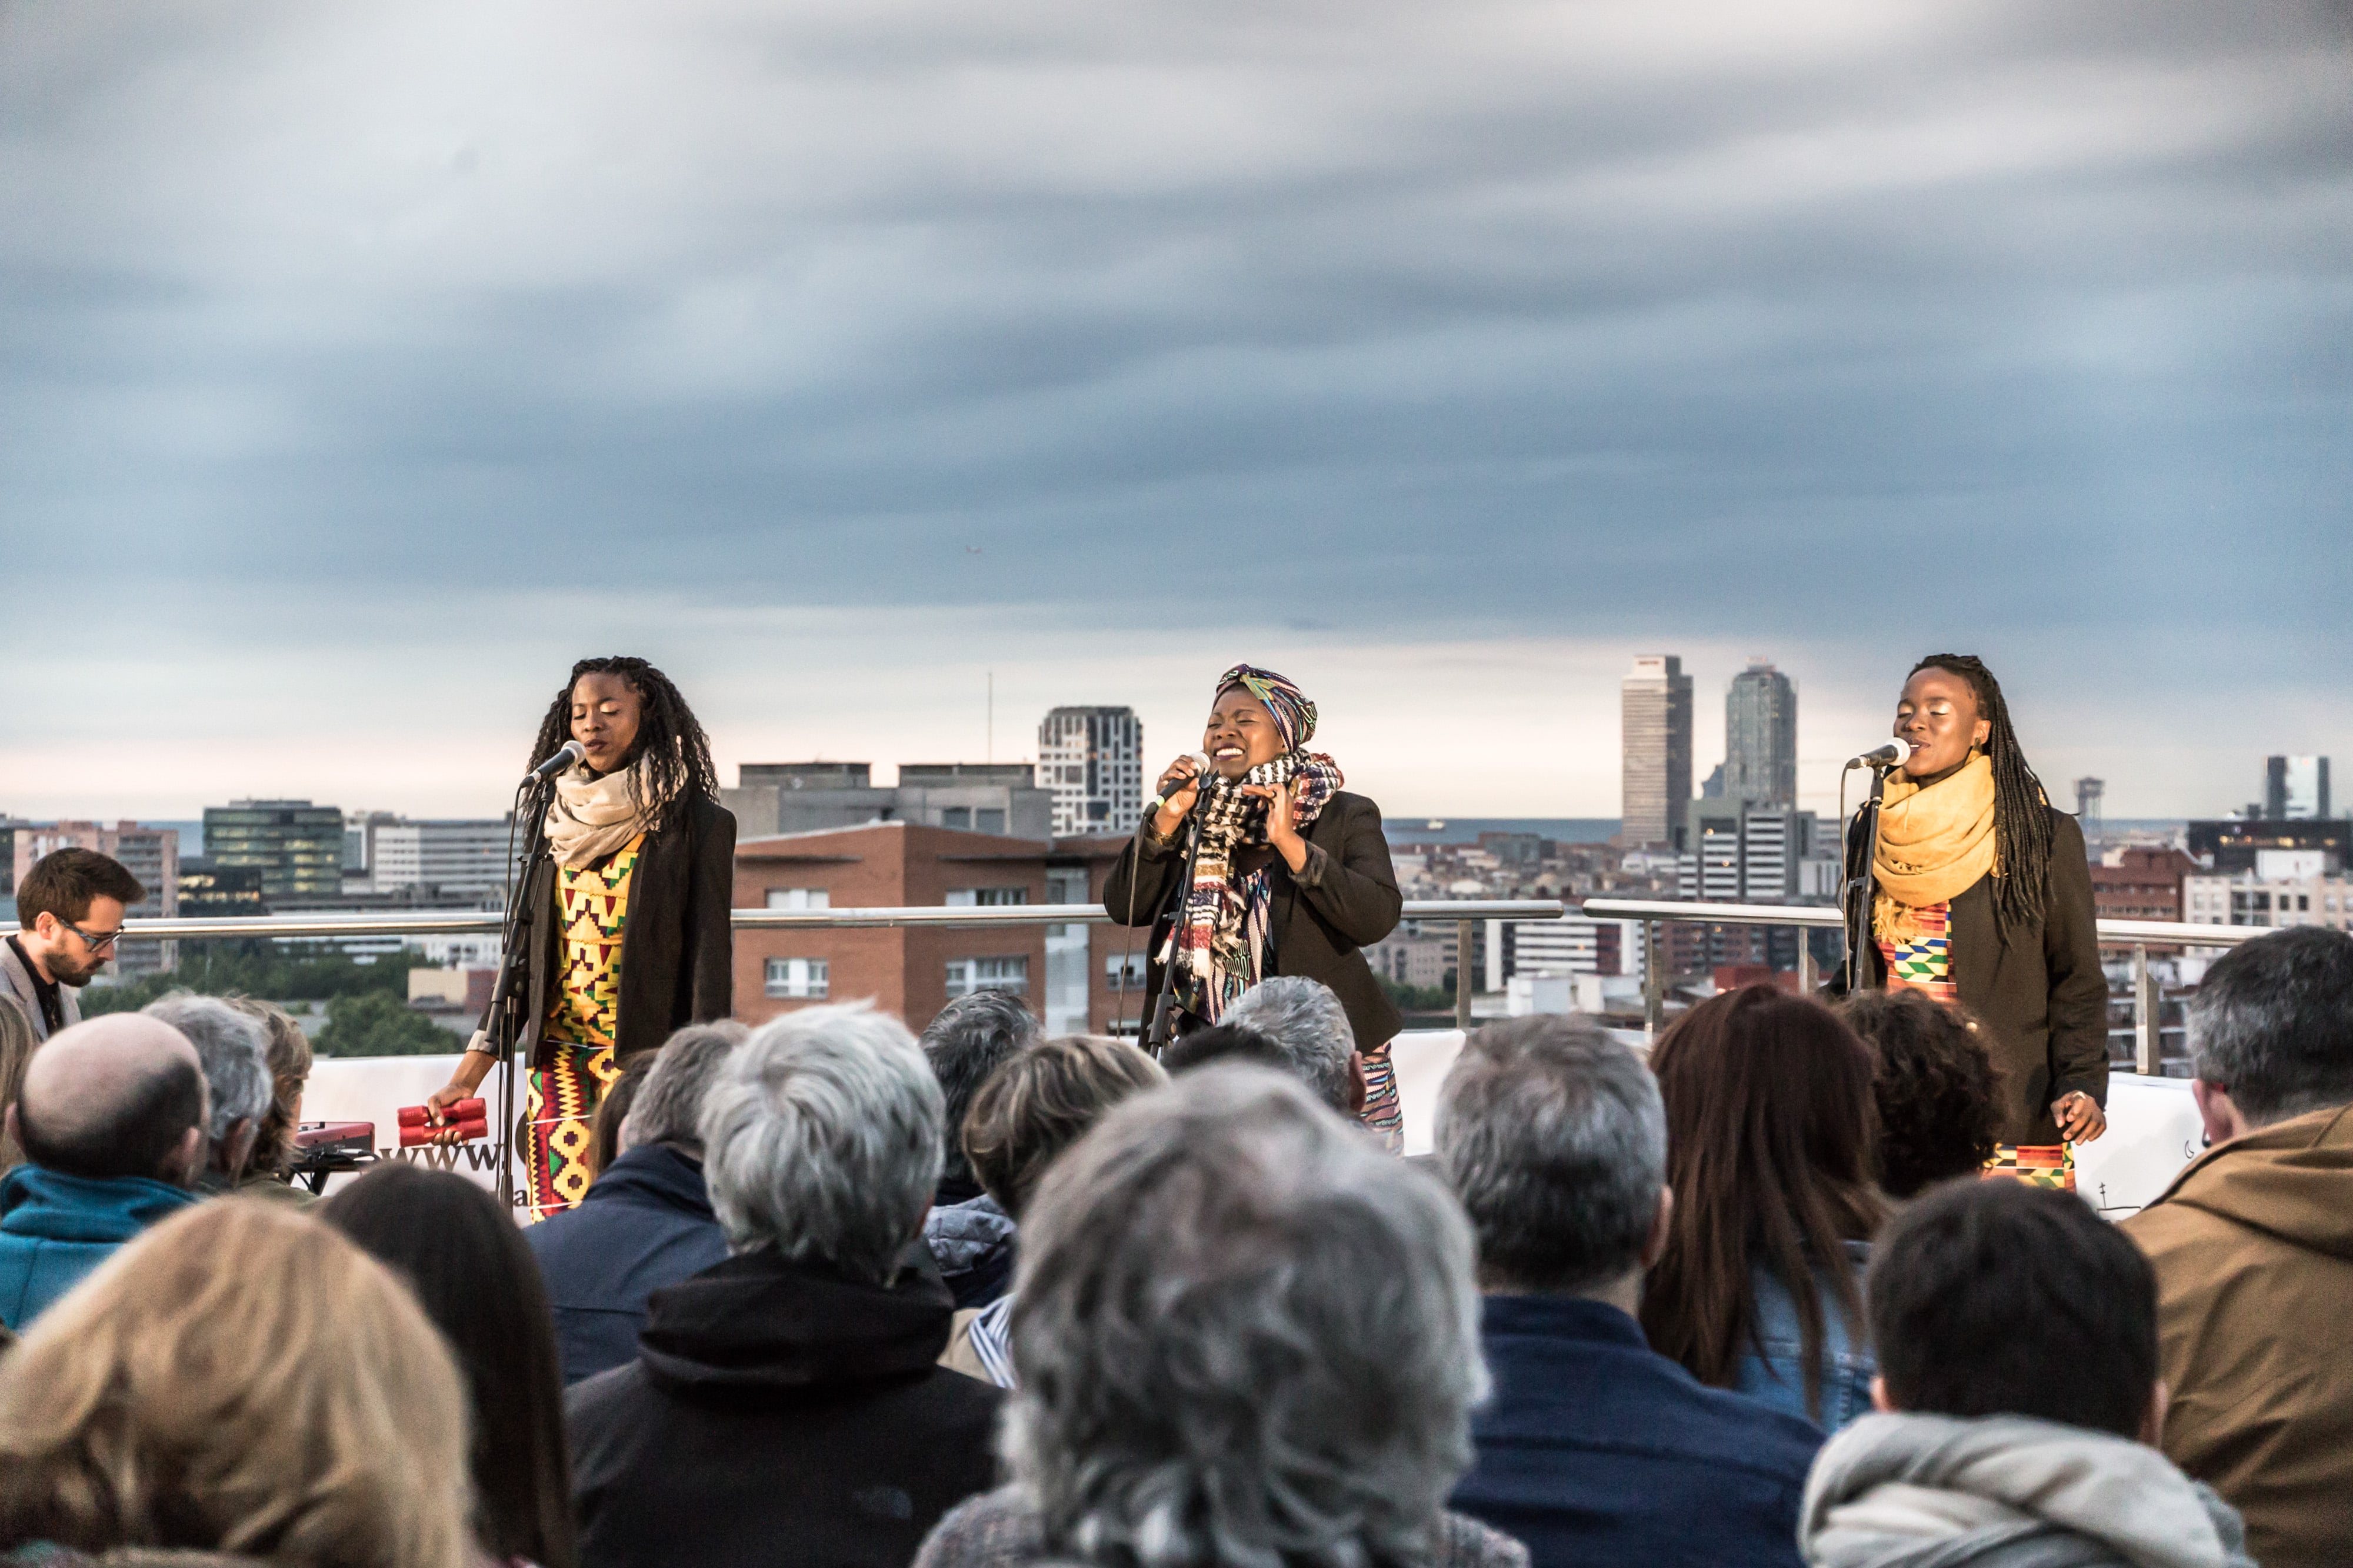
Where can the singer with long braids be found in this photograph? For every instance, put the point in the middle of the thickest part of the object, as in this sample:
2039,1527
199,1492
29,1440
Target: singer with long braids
1982,896
1292,876
631,931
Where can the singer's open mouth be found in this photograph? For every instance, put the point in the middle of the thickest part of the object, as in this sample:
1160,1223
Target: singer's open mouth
1222,753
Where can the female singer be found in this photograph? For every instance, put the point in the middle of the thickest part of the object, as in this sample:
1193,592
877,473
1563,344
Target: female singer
1983,896
629,915
1294,876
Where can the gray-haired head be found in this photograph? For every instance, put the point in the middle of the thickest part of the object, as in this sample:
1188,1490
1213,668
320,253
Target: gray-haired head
1305,1019
233,1047
2273,1024
821,1138
964,1042
668,1106
1554,1138
1243,1333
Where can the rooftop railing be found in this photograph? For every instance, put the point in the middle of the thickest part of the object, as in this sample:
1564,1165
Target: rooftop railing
1653,913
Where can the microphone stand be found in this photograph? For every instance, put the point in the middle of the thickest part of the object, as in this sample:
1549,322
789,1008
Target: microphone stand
504,1021
1862,885
1156,1038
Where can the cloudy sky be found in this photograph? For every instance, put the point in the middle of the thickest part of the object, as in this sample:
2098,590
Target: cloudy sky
363,365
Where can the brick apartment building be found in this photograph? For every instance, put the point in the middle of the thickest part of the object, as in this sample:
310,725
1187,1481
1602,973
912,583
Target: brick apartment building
2144,885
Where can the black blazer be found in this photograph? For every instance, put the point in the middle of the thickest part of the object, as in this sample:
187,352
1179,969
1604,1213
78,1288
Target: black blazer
2042,998
1346,898
678,947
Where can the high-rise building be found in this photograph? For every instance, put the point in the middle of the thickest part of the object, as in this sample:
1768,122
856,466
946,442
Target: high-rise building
1760,737
1655,708
298,847
2295,789
1092,761
470,855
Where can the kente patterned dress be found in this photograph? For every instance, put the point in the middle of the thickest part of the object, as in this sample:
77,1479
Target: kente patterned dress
592,909
1925,963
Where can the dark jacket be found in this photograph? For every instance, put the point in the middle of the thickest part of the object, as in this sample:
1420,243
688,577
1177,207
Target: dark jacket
646,1224
1595,1451
972,1243
778,1413
678,946
1344,900
2042,998
55,1228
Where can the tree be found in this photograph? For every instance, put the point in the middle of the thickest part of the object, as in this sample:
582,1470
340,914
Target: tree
371,1023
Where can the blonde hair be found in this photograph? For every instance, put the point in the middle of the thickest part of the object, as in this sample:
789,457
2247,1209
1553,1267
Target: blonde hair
290,1069
297,1405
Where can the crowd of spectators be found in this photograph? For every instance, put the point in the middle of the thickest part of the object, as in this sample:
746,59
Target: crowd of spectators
1741,1297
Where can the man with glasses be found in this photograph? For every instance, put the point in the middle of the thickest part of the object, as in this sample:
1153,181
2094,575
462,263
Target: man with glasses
69,908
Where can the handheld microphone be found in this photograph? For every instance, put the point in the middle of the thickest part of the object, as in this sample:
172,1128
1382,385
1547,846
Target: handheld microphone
1891,755
1200,769
572,752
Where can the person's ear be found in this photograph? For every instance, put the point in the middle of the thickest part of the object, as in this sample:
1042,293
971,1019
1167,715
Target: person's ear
1981,734
238,1147
1663,1224
2223,1119
2152,1420
188,1160
1360,1087
1879,1400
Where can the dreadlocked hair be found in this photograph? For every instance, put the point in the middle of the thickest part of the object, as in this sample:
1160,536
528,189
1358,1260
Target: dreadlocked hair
670,761
2022,812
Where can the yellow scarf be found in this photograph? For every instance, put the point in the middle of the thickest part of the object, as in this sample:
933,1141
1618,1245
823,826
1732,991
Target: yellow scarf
1934,845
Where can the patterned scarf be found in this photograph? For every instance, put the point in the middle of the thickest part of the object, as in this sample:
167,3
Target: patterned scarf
1222,931
1934,846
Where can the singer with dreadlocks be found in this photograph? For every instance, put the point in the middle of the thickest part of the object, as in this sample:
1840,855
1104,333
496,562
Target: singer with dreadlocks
1982,896
1292,878
630,922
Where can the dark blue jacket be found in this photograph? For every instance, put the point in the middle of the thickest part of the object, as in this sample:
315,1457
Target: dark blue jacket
55,1228
973,1243
645,1225
1597,1451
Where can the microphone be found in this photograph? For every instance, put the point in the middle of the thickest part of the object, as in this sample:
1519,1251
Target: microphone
572,752
1891,755
1200,766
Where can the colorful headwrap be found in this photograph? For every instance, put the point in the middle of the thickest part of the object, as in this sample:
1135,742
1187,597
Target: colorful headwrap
1294,716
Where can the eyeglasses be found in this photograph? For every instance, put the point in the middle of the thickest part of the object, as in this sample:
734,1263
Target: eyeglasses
97,941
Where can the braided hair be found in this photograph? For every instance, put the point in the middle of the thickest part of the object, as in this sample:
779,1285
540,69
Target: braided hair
2021,813
671,760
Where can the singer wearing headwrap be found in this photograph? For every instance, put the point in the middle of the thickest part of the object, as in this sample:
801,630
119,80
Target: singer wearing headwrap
1294,875
1982,896
631,926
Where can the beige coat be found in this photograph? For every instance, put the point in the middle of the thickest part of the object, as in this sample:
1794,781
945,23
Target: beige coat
2254,1250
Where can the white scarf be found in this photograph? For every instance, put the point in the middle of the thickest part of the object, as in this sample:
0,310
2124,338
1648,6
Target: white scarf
591,817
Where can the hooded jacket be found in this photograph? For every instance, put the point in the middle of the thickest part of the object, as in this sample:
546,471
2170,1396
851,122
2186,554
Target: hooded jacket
972,1242
2005,1492
645,1224
779,1412
55,1228
2252,1246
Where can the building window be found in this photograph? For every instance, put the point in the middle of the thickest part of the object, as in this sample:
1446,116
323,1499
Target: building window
798,979
987,819
799,898
966,975
956,816
985,897
1123,971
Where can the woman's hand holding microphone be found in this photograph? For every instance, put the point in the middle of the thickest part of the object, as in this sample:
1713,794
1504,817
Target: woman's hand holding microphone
1180,787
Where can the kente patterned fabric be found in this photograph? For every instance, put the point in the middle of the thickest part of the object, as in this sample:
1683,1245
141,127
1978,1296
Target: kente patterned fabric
1221,938
1935,844
1383,1112
1925,962
592,911
2037,1165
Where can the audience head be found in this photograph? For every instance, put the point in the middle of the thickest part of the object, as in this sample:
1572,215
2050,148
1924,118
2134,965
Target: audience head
1041,1101
964,1042
470,1269
2004,1299
70,908
1307,1024
1243,1333
15,1054
669,1104
1769,1153
2271,1030
1554,1137
821,1139
288,1051
295,1406
605,1140
119,1095
1934,1090
234,1052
